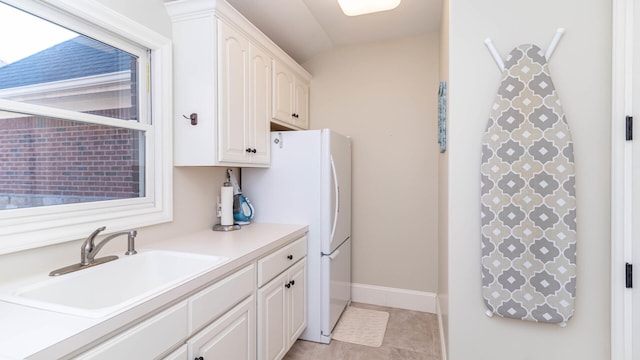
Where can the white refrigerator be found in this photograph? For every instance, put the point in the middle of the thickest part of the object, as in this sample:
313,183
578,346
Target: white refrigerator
309,182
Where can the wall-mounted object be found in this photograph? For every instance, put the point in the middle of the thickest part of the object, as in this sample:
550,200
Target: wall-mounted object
442,116
528,199
193,117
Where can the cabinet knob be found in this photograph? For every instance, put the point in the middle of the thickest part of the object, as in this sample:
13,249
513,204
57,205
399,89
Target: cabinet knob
290,257
295,115
250,150
199,358
287,285
292,282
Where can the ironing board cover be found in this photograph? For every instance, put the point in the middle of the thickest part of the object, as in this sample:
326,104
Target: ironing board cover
528,204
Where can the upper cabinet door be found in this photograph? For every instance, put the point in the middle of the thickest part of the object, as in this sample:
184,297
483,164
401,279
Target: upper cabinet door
290,97
260,109
282,92
233,75
301,101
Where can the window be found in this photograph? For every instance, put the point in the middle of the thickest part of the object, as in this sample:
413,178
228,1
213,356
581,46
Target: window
84,123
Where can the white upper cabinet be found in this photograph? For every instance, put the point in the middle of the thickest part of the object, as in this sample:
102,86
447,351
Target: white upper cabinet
224,74
244,99
260,107
290,97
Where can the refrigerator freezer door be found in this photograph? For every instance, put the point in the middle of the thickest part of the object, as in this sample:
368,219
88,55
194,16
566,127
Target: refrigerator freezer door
336,285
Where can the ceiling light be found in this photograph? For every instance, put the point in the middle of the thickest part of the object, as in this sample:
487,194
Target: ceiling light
360,7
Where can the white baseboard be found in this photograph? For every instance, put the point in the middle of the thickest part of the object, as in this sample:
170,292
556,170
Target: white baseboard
393,297
443,343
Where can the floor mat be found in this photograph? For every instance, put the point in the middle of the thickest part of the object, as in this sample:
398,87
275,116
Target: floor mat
361,326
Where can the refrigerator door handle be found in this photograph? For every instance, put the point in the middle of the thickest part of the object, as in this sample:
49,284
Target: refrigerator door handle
337,193
334,255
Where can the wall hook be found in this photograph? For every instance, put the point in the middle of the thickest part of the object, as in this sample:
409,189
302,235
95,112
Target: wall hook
193,117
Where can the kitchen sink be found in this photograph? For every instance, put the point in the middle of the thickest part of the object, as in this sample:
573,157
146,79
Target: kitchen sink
112,287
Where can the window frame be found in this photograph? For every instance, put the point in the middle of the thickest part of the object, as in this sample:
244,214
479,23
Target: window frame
27,228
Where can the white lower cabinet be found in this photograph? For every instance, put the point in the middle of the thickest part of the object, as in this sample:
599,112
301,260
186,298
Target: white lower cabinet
256,312
297,300
230,337
147,340
282,312
272,337
225,311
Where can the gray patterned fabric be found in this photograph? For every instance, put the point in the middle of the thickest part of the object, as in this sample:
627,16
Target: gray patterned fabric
528,204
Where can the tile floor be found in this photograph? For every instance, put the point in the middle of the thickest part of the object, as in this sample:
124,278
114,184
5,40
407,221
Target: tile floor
410,335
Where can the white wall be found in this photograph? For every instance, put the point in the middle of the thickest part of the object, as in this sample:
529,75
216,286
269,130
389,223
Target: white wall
150,13
383,95
581,71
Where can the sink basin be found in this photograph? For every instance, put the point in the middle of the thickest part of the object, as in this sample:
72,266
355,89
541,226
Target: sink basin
111,287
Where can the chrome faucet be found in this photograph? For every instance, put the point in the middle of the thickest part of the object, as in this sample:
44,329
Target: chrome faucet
89,250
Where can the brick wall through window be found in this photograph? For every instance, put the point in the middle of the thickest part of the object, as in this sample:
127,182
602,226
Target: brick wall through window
46,161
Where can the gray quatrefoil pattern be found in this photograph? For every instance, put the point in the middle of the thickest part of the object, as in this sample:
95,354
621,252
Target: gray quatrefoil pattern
528,204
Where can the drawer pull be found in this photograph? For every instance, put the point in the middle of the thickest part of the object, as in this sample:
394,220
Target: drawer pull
290,257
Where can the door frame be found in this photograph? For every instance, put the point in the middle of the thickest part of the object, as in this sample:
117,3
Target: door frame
621,178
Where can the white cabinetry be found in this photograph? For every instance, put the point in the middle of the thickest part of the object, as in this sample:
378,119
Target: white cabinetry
223,72
244,96
231,304
146,340
282,300
290,97
219,319
230,337
256,311
224,76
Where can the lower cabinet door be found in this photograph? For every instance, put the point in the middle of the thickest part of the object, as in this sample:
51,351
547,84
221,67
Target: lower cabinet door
297,300
272,312
231,337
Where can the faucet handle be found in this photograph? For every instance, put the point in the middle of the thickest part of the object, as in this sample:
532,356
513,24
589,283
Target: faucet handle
88,246
96,232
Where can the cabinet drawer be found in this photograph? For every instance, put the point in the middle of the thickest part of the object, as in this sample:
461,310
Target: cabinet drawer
212,302
146,340
278,261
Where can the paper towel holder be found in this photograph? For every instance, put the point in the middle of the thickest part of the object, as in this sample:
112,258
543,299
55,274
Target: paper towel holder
229,224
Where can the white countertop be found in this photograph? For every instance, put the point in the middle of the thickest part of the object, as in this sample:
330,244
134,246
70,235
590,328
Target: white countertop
29,333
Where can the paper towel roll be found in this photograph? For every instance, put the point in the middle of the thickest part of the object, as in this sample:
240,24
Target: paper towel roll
226,208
